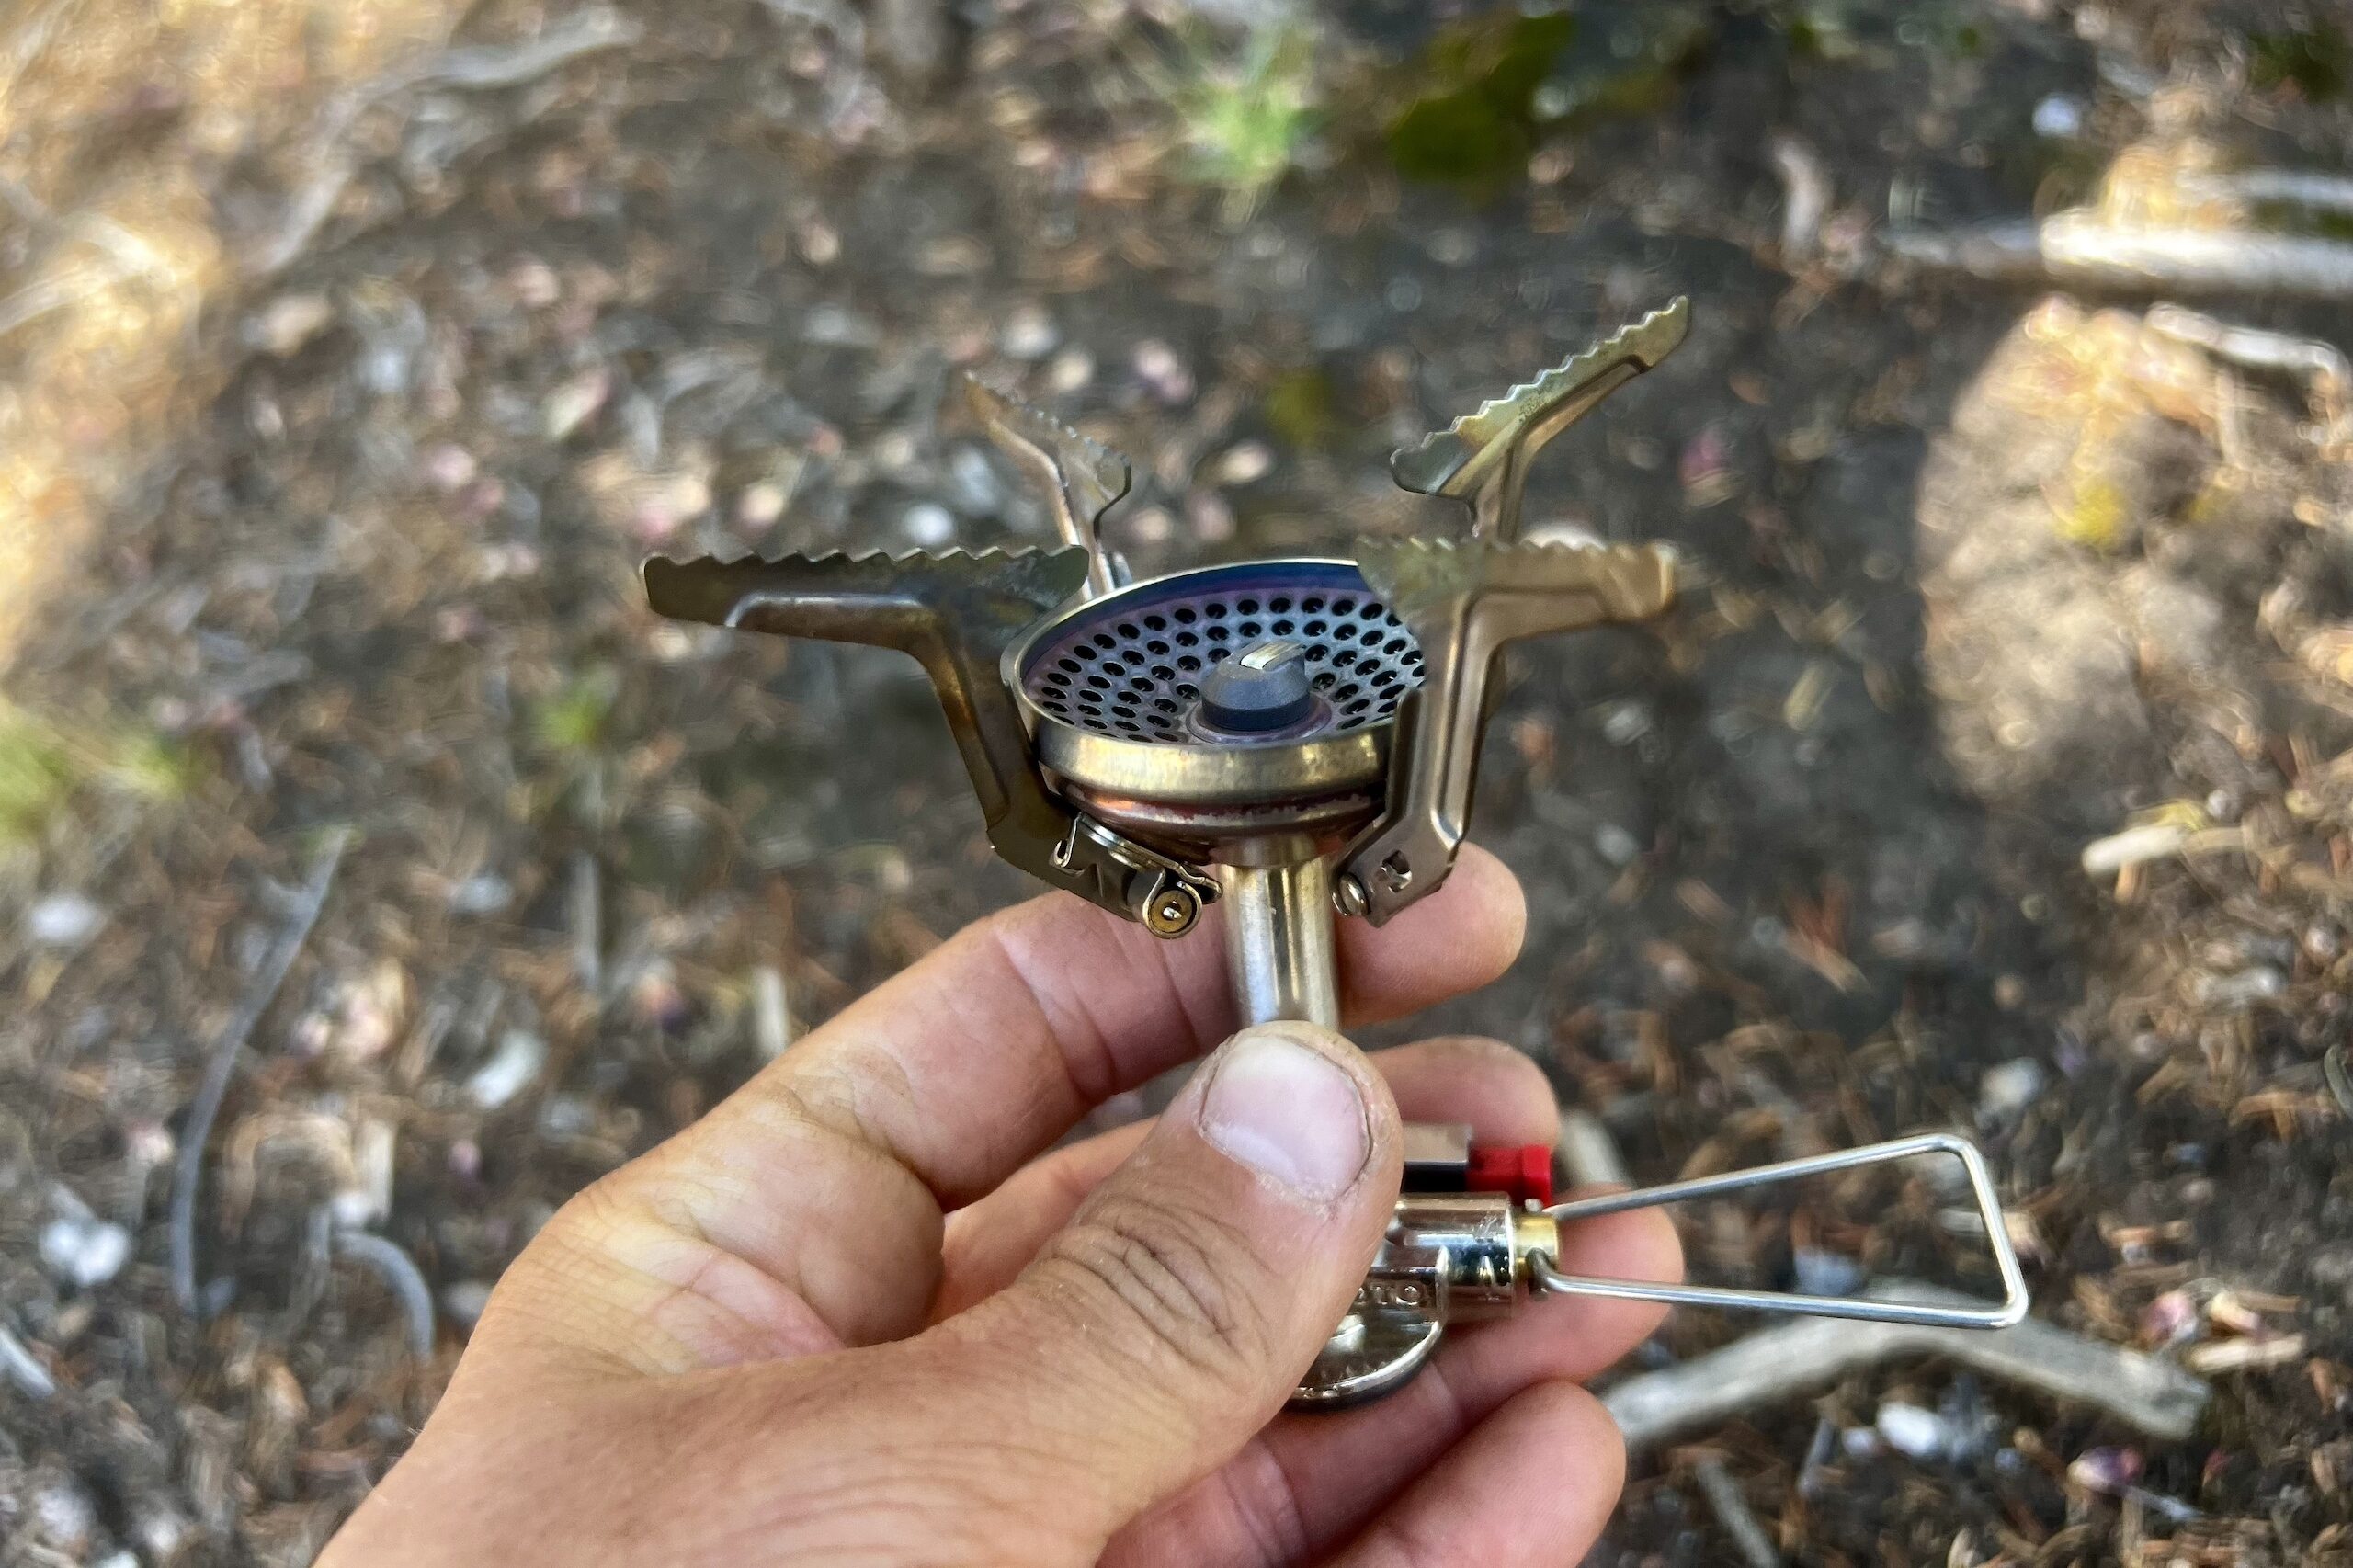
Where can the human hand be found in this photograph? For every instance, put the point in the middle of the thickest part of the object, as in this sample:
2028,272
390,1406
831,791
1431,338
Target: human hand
840,1320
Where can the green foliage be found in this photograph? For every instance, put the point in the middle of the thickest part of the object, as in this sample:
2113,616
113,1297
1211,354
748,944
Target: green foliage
572,723
43,763
35,774
2316,61
1474,119
149,766
1298,409
1244,121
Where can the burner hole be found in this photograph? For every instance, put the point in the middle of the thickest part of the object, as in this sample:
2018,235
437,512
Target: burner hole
1130,725
1311,604
1056,677
1188,690
1187,663
1247,607
1282,629
1164,705
1156,648
1220,633
1130,631
1346,691
1215,612
1316,627
1372,637
1344,607
1098,683
1161,672
1345,657
1370,610
1157,622
1250,628
1113,668
1279,603
1359,705
1394,645
1072,665
1323,682
1218,653
1185,615
1106,641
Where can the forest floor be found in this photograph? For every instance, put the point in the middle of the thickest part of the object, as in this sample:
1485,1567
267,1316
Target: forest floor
351,356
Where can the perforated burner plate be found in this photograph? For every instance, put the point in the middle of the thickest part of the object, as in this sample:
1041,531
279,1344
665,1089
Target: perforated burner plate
1129,666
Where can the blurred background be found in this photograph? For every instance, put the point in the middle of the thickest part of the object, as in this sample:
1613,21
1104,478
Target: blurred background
375,872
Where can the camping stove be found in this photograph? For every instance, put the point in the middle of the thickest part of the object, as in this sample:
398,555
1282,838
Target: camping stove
1296,741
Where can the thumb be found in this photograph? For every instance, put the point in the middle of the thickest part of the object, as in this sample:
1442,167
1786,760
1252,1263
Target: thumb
1170,1319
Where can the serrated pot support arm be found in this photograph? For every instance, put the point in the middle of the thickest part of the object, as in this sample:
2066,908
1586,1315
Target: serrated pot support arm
956,614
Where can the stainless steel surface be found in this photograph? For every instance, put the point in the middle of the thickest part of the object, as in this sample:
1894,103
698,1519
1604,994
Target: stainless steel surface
1215,775
1437,1156
1200,829
1163,895
1082,478
1107,686
1483,457
2010,1310
1279,938
1132,664
1463,601
1447,1258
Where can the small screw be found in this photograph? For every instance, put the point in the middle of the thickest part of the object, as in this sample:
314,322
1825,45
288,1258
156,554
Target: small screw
1172,913
1349,895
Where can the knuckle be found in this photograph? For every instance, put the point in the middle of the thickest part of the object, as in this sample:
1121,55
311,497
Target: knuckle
1182,1274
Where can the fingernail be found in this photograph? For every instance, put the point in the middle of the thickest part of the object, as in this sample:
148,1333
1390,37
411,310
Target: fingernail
1287,1111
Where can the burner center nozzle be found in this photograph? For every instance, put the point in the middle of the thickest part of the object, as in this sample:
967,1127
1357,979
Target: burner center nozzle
1261,689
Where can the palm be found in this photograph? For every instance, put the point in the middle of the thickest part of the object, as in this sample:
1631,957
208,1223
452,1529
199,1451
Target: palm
874,1194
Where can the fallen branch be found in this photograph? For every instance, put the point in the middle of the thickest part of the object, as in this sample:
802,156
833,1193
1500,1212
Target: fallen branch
260,991
2152,1394
2075,249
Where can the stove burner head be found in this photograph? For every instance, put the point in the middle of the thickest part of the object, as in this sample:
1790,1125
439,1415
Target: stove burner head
1163,663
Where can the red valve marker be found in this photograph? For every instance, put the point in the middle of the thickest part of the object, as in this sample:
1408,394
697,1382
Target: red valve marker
1523,1170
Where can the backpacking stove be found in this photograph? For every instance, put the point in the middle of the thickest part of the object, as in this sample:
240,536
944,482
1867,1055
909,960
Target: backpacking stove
1295,741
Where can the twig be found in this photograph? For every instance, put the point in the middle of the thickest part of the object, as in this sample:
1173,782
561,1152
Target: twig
481,68
259,993
1806,198
1732,1511
771,1014
50,295
24,1368
32,40
2289,187
1589,1154
489,67
2324,364
2152,1394
400,1272
587,924
2074,249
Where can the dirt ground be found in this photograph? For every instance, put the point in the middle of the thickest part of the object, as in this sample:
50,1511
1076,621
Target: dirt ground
352,357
